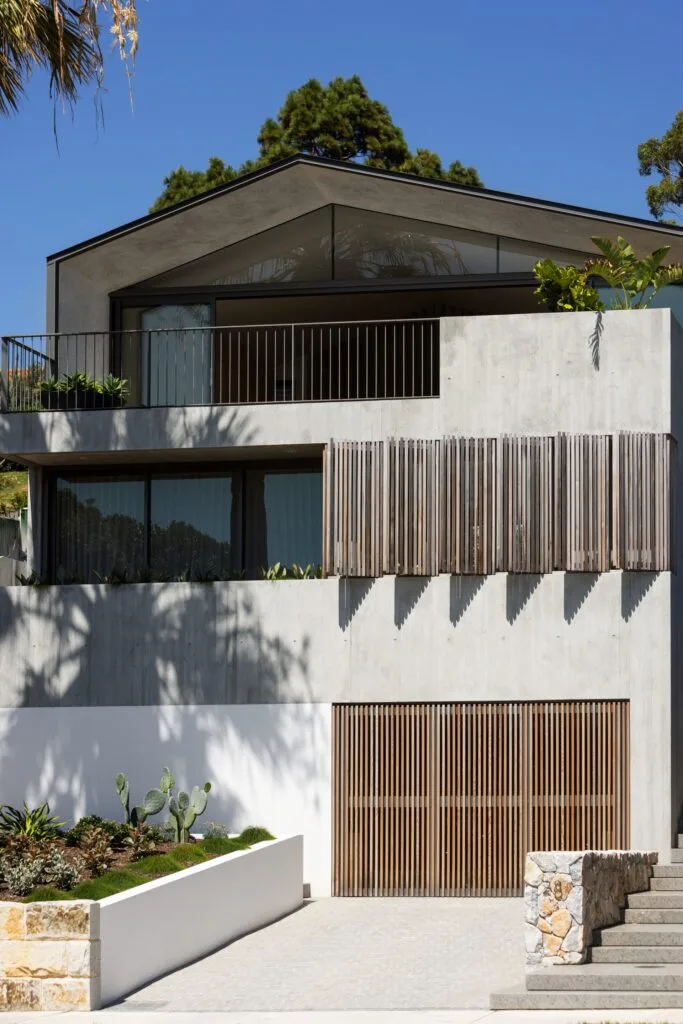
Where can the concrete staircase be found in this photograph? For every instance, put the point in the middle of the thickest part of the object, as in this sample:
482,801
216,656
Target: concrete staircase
635,965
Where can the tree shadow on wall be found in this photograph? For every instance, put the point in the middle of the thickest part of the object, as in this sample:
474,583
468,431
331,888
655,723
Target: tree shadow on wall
163,659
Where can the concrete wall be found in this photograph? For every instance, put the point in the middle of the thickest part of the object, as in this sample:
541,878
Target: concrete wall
523,373
169,921
252,668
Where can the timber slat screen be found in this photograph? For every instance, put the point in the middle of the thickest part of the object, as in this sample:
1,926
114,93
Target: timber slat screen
579,503
446,799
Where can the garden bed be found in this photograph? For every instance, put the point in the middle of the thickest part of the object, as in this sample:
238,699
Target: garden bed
126,874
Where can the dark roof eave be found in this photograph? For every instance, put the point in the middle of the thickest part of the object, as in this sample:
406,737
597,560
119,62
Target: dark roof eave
274,168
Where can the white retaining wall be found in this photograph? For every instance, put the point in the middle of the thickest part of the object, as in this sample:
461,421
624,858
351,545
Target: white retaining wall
160,926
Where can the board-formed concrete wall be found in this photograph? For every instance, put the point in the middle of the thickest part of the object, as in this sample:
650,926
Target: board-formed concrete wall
233,682
515,374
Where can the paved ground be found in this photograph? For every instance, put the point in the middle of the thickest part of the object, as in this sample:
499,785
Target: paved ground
355,954
364,1017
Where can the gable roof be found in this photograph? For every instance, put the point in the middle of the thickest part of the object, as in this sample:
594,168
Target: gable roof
350,168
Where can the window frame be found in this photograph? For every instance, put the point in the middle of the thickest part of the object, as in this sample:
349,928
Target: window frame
237,468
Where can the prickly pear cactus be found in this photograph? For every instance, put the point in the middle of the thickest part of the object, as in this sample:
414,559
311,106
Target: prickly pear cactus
123,789
153,803
185,809
167,782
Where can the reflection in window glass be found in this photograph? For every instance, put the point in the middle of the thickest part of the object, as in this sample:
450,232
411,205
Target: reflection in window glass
283,516
378,245
298,250
191,526
517,257
100,527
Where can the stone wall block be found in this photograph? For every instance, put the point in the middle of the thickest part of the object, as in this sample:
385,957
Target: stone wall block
568,895
21,958
71,994
20,994
84,959
63,919
12,921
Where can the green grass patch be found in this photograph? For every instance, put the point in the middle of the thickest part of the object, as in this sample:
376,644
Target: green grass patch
48,892
220,845
255,834
107,884
155,866
13,492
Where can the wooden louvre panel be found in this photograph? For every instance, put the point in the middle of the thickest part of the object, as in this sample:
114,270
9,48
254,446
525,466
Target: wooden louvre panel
446,799
353,508
642,501
525,504
582,502
411,508
468,505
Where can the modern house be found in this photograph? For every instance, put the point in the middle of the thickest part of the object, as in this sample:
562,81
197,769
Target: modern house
334,366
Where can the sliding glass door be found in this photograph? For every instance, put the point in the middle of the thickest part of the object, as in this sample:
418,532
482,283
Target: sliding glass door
177,356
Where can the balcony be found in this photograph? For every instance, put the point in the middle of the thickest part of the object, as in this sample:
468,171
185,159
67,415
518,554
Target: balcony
232,365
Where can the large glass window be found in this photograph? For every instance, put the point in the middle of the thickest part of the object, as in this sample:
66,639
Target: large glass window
283,519
216,524
191,526
100,526
348,244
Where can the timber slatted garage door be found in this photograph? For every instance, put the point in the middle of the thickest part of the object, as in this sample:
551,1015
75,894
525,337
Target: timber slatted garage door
446,799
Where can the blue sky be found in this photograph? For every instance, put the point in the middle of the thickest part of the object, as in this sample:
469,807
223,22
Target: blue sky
548,100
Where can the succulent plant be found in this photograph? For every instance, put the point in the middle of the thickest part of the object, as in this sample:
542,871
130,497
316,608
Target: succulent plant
185,810
153,803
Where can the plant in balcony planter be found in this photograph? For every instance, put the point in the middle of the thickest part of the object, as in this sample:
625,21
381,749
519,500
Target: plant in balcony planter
79,390
51,393
112,392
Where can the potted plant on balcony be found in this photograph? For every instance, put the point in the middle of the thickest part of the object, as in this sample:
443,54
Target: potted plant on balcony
112,392
51,393
79,390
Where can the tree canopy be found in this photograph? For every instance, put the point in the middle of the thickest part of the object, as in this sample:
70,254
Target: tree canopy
665,157
63,39
339,121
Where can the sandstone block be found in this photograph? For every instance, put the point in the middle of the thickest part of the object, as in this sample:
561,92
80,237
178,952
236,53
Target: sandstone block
560,922
547,906
71,994
532,873
23,958
72,920
83,959
552,944
543,926
560,886
574,903
12,921
21,994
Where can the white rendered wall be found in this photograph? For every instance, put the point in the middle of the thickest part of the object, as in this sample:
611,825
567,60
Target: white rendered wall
268,765
258,664
168,919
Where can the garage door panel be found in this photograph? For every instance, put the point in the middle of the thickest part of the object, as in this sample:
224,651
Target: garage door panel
446,799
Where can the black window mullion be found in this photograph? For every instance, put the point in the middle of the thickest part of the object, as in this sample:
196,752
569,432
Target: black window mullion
148,522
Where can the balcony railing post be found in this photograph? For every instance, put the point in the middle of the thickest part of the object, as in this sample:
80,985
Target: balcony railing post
4,374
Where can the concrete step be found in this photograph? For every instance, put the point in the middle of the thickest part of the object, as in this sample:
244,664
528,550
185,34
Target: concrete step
668,870
655,900
607,978
679,840
653,916
518,998
677,856
667,883
639,935
637,955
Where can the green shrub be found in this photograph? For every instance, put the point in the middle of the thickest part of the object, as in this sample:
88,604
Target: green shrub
35,822
214,830
57,871
107,885
117,832
158,864
255,834
48,892
218,845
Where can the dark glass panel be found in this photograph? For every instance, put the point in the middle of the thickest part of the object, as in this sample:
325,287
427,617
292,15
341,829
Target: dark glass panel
283,519
100,527
191,526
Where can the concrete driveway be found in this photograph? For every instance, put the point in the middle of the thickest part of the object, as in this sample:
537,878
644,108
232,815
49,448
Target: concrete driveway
356,954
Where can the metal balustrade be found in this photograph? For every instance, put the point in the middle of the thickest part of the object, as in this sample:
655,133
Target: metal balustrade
326,362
